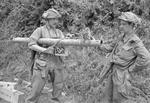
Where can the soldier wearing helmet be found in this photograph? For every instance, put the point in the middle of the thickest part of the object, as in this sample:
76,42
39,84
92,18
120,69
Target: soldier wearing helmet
130,17
125,52
47,64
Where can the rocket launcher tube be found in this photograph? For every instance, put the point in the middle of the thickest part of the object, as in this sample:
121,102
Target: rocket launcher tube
64,42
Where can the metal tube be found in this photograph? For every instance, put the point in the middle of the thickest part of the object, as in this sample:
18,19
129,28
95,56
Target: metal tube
64,42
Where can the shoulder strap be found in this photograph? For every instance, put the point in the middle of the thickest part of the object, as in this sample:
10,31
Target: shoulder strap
33,53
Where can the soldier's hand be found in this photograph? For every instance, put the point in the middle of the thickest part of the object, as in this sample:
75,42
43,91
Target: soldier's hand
49,50
69,36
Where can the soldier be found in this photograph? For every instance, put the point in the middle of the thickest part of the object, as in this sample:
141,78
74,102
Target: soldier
126,51
47,63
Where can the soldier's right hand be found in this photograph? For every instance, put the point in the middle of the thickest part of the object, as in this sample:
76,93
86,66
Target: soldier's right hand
49,50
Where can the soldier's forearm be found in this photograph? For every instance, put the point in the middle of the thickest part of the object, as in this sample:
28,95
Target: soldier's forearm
106,49
37,48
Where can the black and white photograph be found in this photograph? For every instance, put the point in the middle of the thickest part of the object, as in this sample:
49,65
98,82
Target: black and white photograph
74,51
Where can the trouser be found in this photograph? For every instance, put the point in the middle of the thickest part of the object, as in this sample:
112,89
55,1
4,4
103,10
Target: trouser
38,83
111,93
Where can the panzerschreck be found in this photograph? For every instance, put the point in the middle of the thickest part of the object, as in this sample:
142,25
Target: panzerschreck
64,42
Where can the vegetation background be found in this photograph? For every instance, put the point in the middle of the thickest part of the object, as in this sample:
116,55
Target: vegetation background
86,19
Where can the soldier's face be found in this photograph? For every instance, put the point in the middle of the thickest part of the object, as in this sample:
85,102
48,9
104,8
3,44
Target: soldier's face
124,26
53,22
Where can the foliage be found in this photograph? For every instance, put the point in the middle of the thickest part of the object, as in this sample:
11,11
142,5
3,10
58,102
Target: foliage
86,19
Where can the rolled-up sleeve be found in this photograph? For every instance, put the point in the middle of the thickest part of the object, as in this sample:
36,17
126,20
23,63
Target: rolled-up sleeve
35,37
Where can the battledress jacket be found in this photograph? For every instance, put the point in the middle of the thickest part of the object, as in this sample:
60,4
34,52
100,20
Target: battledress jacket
124,59
45,61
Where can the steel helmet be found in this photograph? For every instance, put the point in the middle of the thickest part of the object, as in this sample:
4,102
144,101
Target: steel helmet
51,13
130,17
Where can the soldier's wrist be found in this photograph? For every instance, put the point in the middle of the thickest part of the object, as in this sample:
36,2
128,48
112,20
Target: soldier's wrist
49,51
44,50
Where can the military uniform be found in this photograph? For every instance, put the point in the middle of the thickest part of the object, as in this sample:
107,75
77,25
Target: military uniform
46,65
128,49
